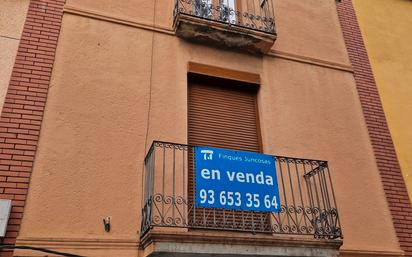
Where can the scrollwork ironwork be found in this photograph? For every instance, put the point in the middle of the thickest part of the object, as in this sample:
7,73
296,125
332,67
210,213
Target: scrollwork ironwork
307,208
252,18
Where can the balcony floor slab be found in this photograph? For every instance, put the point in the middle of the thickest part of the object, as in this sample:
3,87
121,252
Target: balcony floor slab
223,35
226,250
188,244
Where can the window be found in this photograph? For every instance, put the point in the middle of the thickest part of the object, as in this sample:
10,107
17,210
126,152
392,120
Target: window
207,8
223,113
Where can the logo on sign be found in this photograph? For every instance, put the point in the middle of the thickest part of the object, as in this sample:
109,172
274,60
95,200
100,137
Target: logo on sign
236,180
207,154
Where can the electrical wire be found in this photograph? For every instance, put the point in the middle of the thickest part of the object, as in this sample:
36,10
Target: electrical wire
150,94
39,249
151,77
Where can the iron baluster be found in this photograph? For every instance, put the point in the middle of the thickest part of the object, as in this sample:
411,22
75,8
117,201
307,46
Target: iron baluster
232,12
165,205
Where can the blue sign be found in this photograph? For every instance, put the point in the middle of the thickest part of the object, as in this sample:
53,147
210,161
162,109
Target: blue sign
236,180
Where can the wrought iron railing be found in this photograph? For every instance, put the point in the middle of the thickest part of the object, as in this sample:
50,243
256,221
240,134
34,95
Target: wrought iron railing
308,205
252,14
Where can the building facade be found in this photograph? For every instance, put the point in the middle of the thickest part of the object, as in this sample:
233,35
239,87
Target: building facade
390,63
107,98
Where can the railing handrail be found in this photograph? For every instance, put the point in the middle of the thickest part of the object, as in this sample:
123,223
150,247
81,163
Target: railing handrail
308,202
251,19
190,145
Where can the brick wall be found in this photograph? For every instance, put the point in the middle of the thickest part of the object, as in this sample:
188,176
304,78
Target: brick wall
383,147
24,105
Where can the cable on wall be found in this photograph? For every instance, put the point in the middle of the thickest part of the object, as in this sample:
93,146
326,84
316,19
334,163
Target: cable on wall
39,249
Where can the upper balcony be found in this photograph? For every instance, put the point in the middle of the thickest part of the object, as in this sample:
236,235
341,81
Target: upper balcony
307,214
247,25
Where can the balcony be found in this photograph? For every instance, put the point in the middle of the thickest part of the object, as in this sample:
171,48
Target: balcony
308,214
247,25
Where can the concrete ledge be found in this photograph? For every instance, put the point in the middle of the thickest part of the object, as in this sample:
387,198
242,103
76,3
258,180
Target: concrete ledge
370,253
223,35
208,244
125,247
227,250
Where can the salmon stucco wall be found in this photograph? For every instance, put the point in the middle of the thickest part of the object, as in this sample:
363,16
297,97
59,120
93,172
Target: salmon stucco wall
386,28
115,88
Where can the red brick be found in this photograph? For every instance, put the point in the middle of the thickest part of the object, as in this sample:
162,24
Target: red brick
11,233
24,174
13,228
21,198
10,162
15,221
24,102
15,214
18,131
6,146
16,141
7,185
11,115
25,147
5,156
22,113
15,191
9,173
31,117
7,196
13,106
32,127
8,125
7,135
23,158
19,168
22,185
28,137
18,179
29,153
27,163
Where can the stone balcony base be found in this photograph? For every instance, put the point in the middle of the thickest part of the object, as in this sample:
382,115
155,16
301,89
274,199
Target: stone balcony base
215,244
222,34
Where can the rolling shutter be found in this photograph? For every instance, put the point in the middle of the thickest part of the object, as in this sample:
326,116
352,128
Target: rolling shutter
223,113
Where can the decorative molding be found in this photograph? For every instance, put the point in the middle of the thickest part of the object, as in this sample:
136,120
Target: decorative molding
225,73
13,38
311,60
132,244
114,19
236,238
78,243
359,253
74,10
